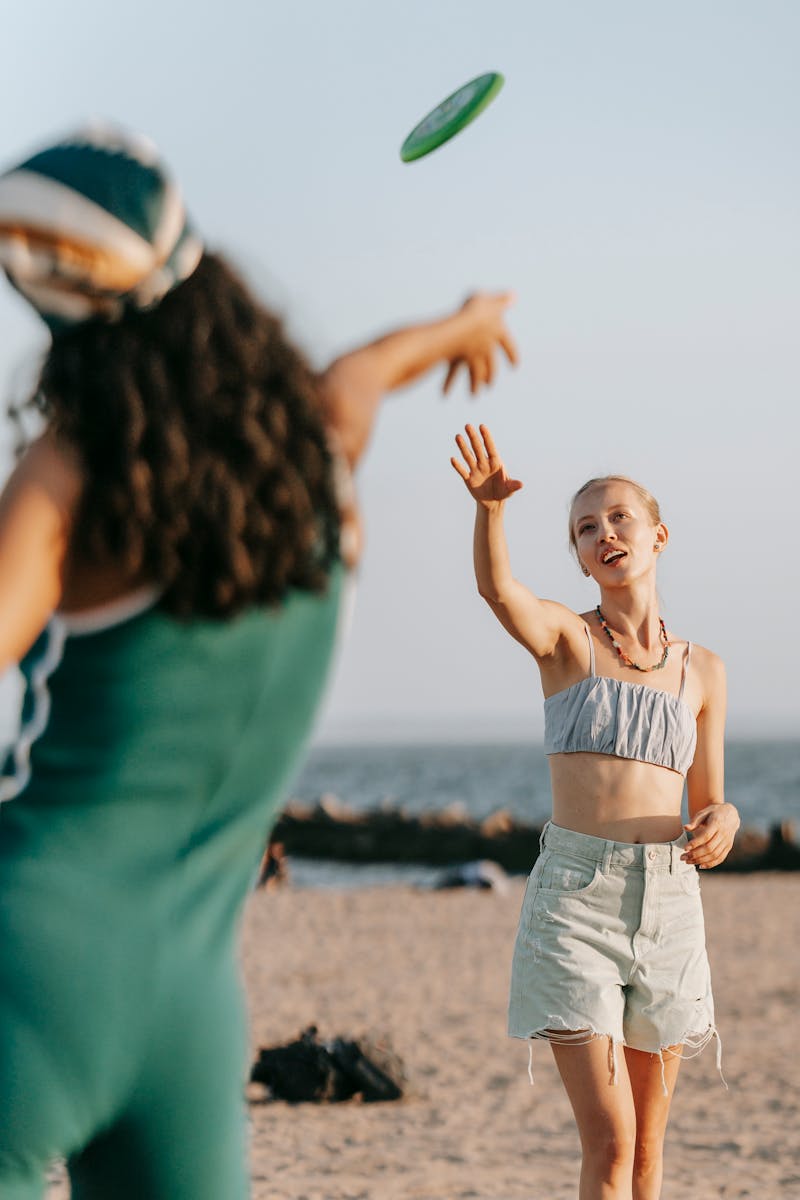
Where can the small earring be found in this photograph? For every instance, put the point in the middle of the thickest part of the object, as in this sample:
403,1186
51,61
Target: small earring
657,548
586,571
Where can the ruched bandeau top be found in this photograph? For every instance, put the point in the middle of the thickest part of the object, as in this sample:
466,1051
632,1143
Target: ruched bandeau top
601,715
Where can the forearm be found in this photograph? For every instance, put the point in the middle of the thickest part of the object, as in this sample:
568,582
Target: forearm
354,384
490,553
400,357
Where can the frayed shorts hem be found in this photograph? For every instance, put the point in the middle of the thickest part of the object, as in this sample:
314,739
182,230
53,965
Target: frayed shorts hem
691,1044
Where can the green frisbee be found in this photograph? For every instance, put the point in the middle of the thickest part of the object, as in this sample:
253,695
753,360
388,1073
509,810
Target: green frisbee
451,116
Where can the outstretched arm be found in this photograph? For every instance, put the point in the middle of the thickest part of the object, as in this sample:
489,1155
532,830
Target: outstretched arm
539,625
355,384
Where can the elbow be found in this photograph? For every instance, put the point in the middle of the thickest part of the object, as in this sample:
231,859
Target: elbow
490,594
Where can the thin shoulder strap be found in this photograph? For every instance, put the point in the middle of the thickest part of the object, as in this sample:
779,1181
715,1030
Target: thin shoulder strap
684,673
592,671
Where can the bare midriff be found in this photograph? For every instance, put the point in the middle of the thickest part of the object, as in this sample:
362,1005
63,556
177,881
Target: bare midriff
616,798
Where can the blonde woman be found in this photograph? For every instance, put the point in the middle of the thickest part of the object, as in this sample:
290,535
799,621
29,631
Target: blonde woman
610,964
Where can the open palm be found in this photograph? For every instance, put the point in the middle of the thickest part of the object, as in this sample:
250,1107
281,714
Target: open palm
482,468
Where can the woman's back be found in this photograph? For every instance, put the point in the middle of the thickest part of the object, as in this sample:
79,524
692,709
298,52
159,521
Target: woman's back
138,707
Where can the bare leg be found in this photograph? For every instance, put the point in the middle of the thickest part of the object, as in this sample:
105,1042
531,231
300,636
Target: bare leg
652,1111
605,1115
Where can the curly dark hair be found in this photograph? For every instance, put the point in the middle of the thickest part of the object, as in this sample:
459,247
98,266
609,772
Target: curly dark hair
201,434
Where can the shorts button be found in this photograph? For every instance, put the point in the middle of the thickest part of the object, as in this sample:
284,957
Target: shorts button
651,854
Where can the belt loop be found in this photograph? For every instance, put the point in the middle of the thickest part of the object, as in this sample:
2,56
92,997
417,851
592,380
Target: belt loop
674,858
607,856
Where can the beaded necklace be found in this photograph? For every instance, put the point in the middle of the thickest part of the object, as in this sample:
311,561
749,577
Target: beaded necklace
628,662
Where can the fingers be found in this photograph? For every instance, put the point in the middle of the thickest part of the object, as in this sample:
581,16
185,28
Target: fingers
509,347
697,844
483,340
466,452
476,442
473,450
491,449
452,371
482,469
502,337
698,852
485,366
712,854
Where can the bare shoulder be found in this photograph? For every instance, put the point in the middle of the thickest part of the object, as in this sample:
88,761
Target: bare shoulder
706,661
570,624
710,669
567,616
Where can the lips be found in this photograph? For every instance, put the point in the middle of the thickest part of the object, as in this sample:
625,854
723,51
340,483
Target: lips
612,556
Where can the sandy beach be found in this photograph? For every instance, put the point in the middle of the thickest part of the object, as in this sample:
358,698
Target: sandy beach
430,970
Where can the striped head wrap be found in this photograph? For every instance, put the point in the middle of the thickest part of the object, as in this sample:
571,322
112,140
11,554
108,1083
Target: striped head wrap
92,227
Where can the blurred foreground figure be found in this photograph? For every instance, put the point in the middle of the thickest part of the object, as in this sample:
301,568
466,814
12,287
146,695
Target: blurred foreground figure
171,568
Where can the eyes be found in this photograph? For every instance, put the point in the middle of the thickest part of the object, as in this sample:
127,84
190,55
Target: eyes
616,517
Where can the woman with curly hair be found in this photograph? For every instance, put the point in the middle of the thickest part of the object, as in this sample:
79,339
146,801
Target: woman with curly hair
171,563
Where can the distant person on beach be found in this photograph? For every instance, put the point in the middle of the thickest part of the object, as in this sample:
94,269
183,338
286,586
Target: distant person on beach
610,963
171,549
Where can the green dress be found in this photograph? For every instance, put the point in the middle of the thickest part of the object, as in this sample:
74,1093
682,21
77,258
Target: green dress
152,760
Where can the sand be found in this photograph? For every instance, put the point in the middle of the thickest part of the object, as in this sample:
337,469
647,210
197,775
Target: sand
430,969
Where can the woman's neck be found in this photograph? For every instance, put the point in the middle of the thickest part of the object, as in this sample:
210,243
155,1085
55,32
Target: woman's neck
633,612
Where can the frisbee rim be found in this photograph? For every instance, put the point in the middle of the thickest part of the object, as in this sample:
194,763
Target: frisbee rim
409,151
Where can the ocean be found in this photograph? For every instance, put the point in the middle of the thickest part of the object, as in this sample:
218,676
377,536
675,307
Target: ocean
762,780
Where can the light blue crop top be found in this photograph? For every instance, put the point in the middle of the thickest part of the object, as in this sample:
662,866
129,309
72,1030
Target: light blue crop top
601,715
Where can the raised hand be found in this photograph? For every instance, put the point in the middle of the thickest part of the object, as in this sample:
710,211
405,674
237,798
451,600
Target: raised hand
482,469
485,332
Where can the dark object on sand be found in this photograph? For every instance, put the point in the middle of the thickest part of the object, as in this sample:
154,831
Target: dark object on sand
309,1069
483,874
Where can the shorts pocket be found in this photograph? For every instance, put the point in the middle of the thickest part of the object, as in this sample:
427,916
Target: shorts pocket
564,875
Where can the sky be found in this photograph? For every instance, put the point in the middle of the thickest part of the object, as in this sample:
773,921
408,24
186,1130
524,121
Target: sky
636,182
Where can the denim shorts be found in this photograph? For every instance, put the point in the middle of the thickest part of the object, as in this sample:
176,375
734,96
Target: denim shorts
611,943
